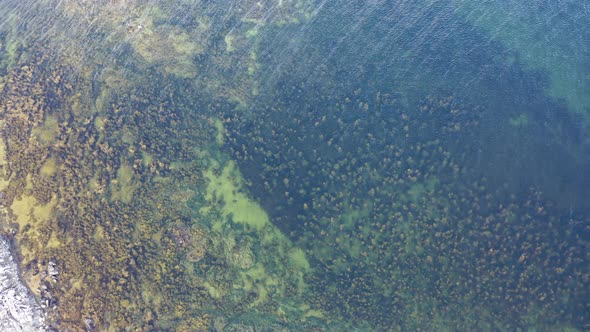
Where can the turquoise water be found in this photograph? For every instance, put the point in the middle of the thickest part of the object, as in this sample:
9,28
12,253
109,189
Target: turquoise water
337,165
340,119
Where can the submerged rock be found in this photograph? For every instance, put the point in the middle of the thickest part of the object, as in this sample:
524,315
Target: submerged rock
19,310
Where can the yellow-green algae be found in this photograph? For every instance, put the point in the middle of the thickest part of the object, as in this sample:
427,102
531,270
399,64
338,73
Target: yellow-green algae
47,132
94,181
124,185
227,190
3,163
219,132
10,46
236,204
112,242
519,121
49,167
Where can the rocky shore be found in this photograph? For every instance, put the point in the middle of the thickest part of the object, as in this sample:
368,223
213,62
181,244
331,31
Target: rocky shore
19,310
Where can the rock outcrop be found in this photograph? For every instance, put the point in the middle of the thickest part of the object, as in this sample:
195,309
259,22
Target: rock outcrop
19,310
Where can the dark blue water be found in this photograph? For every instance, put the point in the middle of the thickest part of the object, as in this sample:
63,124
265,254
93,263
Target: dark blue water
428,141
415,50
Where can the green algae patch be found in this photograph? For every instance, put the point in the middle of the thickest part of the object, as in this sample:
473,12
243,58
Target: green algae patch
31,217
98,233
257,280
229,43
53,241
27,210
93,183
419,189
124,186
49,167
519,121
47,133
99,123
228,188
215,292
219,132
10,47
351,216
311,313
268,268
22,209
298,260
3,164
146,159
169,47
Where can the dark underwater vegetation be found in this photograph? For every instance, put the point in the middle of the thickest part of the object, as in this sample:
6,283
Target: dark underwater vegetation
298,165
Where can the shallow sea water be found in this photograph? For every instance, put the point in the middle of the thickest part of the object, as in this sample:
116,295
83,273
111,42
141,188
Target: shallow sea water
299,165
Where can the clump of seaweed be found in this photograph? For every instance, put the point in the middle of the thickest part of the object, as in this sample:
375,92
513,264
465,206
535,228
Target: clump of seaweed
121,203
